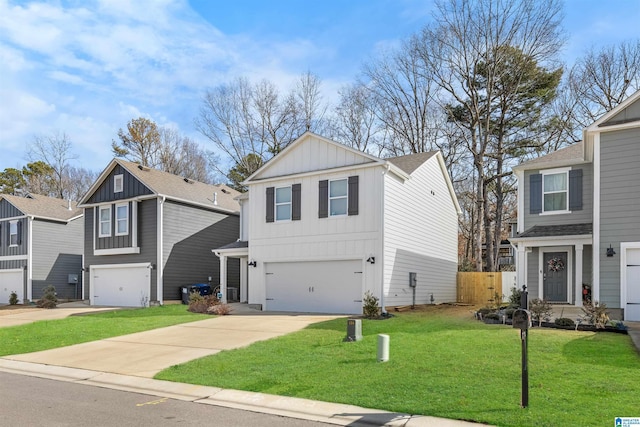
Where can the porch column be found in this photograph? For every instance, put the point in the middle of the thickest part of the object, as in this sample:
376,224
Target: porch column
223,278
578,275
243,279
521,265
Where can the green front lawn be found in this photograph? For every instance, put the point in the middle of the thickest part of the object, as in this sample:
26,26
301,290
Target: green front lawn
47,334
452,367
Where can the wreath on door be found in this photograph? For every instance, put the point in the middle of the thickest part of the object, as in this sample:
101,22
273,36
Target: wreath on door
556,264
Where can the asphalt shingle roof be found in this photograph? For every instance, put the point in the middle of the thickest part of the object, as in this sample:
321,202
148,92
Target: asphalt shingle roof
44,207
570,154
177,187
558,230
411,162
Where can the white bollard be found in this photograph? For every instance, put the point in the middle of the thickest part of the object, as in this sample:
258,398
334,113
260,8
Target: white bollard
383,348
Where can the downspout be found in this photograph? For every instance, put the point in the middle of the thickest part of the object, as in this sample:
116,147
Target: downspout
30,257
160,250
381,268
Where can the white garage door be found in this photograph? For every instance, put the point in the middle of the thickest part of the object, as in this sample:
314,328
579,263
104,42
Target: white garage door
315,287
123,285
632,309
11,281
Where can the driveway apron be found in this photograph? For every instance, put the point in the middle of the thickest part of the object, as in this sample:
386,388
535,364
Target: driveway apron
144,354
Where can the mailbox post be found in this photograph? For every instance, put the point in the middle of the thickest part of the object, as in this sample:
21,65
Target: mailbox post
522,321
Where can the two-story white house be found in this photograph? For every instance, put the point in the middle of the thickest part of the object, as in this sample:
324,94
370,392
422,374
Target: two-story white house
579,217
323,223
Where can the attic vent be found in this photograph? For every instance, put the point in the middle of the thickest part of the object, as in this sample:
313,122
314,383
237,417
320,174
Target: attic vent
225,191
140,167
187,180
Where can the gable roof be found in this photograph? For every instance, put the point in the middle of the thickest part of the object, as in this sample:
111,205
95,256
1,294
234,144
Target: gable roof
174,187
565,156
44,207
601,123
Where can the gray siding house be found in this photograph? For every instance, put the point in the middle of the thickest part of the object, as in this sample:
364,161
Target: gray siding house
147,233
40,245
579,217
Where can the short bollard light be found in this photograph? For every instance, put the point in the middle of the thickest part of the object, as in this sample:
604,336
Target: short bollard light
383,347
354,330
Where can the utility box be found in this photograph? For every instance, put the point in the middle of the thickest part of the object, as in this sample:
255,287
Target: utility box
72,279
413,279
354,330
521,319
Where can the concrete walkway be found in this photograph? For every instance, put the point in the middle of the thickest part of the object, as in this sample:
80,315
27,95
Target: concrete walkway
129,362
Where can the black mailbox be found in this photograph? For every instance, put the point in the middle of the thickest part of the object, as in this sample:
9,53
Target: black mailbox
521,319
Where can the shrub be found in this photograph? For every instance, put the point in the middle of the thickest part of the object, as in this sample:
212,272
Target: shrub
540,310
564,321
514,298
49,299
201,304
13,298
484,311
491,316
220,309
596,314
370,308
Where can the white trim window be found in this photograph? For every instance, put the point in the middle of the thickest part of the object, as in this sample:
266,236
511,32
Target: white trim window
338,197
118,183
13,233
555,191
122,219
104,221
283,204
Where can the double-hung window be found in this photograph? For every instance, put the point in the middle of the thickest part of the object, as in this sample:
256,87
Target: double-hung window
104,218
13,233
122,219
555,189
283,204
338,200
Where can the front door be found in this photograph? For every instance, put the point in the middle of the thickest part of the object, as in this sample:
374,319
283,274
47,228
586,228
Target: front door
555,276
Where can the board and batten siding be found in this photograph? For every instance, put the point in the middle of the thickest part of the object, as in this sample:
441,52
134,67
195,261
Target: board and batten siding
57,252
189,236
575,217
113,241
312,155
132,187
147,242
619,204
311,238
421,236
22,247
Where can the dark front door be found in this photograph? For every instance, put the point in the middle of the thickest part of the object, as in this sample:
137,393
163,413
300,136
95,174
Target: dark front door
555,276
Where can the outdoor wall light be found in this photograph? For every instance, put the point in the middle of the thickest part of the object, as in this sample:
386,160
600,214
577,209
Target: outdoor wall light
253,263
610,251
371,260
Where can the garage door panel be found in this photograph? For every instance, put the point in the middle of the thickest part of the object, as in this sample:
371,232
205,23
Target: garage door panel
11,281
123,286
315,287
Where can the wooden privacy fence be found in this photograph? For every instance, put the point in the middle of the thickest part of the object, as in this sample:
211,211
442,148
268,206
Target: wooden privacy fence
479,288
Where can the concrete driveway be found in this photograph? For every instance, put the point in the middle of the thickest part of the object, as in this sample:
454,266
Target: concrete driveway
22,316
144,354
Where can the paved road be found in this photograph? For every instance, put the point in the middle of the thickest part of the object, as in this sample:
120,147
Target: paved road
30,401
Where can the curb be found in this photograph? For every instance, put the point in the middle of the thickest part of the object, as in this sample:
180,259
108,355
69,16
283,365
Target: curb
292,407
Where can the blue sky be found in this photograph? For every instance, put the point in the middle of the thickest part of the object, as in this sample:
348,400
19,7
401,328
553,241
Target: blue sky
88,67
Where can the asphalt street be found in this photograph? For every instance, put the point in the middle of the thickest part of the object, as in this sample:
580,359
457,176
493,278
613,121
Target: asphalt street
31,401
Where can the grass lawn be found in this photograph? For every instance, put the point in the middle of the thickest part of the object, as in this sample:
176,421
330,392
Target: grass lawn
47,334
452,367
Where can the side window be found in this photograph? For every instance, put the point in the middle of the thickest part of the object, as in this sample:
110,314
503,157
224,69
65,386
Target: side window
13,233
338,197
283,204
104,221
122,219
118,183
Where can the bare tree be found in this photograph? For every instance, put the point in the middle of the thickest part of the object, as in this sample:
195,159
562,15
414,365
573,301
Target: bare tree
182,156
140,143
479,54
308,103
601,80
54,150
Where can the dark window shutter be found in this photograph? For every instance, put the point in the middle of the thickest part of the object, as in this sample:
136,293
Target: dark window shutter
0,234
296,205
535,193
19,232
575,190
323,199
270,203
8,233
353,195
